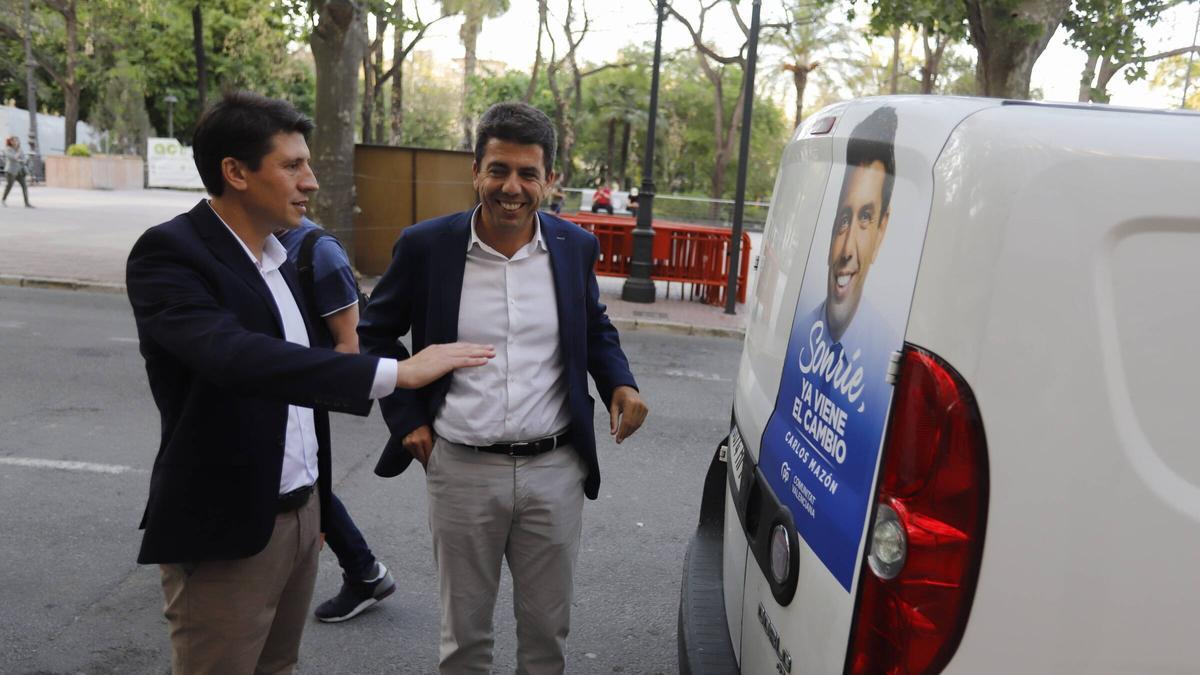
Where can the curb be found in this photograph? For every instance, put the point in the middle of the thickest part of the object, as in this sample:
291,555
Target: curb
677,328
57,284
672,327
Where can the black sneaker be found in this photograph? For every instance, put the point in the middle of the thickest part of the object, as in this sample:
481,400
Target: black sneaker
356,596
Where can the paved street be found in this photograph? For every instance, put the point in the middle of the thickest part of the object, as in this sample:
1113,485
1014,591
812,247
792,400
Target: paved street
79,432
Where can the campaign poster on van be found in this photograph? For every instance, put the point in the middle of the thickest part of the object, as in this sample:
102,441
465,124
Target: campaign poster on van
821,447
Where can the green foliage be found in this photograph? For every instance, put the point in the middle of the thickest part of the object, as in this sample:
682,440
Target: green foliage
1109,31
1171,73
947,17
510,85
121,110
78,150
430,106
147,47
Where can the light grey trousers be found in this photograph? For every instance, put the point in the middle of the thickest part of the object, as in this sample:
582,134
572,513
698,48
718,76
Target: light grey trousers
527,510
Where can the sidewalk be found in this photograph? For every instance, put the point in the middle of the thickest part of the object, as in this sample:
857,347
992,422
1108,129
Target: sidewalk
79,239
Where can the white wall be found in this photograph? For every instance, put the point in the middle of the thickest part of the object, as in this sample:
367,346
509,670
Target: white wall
51,134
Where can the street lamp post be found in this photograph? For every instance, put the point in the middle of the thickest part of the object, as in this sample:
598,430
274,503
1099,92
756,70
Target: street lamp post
35,160
739,198
170,101
639,287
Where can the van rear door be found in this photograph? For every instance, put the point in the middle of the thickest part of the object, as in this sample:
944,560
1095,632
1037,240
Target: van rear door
828,319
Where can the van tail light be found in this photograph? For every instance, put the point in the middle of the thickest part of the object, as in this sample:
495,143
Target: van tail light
926,543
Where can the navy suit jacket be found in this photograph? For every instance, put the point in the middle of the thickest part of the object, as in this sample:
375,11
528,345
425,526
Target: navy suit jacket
222,377
421,290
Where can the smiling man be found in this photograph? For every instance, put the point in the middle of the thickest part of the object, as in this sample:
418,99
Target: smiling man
862,216
240,486
846,350
509,450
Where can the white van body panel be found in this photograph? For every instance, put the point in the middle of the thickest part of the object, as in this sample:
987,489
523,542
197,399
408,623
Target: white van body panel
1060,277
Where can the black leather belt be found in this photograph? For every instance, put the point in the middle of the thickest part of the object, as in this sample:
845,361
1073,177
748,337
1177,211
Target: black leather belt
526,448
290,501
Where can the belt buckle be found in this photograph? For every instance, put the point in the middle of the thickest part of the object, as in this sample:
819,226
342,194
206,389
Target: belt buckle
512,447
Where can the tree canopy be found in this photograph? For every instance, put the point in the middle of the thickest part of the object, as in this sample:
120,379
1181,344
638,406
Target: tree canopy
115,62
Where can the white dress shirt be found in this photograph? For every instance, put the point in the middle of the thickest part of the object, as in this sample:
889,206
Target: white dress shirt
300,444
521,394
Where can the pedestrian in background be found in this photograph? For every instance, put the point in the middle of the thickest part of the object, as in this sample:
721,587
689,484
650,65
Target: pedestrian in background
331,292
602,199
557,196
14,169
510,450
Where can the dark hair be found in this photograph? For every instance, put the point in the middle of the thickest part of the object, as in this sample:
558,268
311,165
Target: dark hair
874,140
241,125
518,123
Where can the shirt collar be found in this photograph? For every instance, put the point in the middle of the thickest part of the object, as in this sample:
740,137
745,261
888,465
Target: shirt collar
537,234
274,254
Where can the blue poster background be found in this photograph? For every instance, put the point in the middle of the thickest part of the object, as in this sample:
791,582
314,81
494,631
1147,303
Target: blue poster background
821,446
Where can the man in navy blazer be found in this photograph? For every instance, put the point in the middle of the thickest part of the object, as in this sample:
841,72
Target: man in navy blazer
509,448
243,461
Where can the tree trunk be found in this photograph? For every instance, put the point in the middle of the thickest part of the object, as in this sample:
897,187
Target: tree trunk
933,60
71,88
1087,77
472,24
1009,42
368,96
537,56
800,73
67,80
201,58
612,149
562,123
337,46
398,57
625,134
377,94
894,77
726,137
1108,68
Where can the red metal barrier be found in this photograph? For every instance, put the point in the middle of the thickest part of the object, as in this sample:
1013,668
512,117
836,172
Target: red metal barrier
689,254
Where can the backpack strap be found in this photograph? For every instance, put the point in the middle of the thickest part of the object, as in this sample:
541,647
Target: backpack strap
304,265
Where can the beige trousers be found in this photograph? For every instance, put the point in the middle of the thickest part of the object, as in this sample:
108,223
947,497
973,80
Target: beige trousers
527,510
235,617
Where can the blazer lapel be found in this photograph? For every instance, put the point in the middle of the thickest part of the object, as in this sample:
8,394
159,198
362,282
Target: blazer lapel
564,278
226,248
448,263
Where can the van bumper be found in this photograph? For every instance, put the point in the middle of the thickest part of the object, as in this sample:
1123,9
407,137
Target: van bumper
704,646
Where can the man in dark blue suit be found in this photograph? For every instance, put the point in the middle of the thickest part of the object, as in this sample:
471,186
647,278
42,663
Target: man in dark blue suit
509,448
242,476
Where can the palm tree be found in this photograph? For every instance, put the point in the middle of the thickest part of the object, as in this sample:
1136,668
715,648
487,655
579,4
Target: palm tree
474,12
810,31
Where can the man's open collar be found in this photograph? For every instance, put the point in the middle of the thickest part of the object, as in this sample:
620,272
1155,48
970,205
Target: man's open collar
474,237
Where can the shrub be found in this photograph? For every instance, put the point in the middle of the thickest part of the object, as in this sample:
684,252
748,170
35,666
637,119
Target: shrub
78,150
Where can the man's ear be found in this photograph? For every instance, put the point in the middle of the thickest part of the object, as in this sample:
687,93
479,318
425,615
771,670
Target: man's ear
475,174
551,176
234,173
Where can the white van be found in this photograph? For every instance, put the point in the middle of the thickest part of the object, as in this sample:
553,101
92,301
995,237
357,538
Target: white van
981,457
